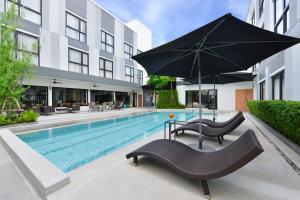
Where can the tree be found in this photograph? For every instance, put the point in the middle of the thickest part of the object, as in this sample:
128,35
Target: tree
158,81
14,66
161,81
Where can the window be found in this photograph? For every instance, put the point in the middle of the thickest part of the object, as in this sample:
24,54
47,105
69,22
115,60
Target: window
262,91
277,86
107,42
67,97
208,98
123,97
128,50
99,96
75,28
78,61
253,18
27,44
140,76
106,68
35,96
281,16
29,10
261,7
129,74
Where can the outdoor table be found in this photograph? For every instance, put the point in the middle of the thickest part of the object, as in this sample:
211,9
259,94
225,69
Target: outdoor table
170,123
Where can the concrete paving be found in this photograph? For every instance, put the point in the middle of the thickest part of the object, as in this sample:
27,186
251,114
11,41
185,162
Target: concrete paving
113,177
13,186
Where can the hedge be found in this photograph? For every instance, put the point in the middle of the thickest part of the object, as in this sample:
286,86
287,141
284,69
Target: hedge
284,116
165,100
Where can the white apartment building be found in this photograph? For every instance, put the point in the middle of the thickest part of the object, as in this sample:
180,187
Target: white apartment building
84,53
278,77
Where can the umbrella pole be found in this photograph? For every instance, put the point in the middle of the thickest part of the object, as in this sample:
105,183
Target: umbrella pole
214,118
200,103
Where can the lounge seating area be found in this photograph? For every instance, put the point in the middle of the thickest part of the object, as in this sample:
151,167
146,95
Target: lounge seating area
212,129
105,106
203,166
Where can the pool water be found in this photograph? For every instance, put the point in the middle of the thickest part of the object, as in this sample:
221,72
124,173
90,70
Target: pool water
72,146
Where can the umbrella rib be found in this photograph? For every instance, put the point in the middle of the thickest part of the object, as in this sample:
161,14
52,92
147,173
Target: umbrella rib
218,56
195,58
214,53
226,44
170,61
205,37
219,77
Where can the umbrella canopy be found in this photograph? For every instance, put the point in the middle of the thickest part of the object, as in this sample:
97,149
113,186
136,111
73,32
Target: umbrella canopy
224,78
226,45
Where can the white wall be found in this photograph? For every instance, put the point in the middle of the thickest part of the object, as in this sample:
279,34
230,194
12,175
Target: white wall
144,40
226,93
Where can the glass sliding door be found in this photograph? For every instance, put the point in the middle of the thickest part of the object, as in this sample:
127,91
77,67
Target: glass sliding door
207,97
67,97
35,96
124,97
99,96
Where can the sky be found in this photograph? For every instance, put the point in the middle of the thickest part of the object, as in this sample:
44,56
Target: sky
169,19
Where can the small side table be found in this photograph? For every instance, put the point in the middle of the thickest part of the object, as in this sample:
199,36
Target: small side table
169,123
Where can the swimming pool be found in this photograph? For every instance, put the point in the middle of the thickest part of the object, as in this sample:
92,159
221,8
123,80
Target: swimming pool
72,146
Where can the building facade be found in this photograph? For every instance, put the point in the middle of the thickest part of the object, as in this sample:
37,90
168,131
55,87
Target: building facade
277,78
222,98
83,55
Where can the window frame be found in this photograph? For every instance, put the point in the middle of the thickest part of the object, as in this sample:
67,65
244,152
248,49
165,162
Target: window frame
131,75
19,4
24,50
105,42
140,76
279,75
253,20
262,87
81,63
78,31
130,53
283,17
261,7
106,70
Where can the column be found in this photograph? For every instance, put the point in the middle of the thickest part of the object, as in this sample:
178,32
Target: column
49,96
114,96
89,96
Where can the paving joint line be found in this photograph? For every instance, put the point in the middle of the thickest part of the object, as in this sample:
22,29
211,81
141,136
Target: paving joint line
281,153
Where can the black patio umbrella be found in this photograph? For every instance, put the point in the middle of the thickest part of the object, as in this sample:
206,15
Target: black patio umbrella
224,45
223,78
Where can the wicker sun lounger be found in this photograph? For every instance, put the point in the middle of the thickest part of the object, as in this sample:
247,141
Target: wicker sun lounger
213,124
209,131
201,165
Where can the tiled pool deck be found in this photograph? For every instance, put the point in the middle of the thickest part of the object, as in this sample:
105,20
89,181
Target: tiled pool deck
113,177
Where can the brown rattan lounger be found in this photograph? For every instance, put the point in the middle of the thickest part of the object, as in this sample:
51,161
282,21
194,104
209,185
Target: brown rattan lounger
212,132
201,165
213,124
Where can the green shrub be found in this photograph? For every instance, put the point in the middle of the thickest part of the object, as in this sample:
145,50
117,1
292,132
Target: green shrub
27,116
284,116
3,120
165,100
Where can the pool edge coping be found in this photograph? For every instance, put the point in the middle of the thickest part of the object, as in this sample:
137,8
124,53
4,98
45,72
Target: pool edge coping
44,176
